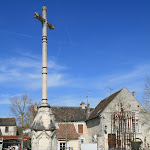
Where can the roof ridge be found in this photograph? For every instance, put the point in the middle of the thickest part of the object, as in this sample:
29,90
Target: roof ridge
102,105
66,106
113,94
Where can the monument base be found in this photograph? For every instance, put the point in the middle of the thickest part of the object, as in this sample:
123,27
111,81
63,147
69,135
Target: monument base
44,135
44,140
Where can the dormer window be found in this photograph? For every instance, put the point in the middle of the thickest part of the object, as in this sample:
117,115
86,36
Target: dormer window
6,129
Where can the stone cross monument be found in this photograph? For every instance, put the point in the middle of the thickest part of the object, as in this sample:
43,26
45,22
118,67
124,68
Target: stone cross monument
44,127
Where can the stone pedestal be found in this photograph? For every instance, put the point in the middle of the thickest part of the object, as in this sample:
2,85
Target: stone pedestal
44,135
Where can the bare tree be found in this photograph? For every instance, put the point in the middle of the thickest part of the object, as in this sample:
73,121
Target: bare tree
20,109
146,97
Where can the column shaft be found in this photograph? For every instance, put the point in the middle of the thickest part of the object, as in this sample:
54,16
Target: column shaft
44,56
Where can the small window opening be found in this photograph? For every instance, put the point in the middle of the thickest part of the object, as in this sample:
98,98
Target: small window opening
6,129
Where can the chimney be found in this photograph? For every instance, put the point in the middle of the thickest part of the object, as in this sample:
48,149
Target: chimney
133,93
88,108
82,105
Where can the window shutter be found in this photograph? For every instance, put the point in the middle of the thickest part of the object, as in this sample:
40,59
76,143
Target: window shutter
80,128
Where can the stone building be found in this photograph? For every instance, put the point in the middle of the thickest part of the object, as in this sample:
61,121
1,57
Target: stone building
8,132
72,130
118,121
8,127
133,127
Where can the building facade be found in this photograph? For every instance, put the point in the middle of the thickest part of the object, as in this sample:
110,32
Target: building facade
8,127
118,121
72,131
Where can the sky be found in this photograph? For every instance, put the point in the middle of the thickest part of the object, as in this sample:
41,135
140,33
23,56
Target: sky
96,45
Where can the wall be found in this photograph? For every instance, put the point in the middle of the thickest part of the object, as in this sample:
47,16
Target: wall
129,104
94,127
74,144
11,131
83,135
71,143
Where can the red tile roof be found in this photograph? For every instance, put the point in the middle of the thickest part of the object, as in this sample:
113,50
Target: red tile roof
67,131
18,137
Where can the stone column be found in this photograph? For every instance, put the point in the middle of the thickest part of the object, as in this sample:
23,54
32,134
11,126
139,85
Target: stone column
44,56
44,127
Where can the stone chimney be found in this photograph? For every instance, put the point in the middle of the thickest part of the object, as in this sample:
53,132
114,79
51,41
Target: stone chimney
88,110
133,93
82,105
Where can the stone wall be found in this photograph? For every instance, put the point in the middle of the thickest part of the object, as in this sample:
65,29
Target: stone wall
102,124
12,130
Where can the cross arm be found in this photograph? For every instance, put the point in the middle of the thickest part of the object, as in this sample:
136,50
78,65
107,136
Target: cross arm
37,16
51,26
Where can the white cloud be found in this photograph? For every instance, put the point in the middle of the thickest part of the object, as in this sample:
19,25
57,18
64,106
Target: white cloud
26,73
27,54
121,79
52,65
53,80
137,73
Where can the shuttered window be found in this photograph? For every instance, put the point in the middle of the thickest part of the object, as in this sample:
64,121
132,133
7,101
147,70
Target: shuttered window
80,128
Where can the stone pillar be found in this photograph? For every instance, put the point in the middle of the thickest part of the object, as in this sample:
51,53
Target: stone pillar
44,127
44,56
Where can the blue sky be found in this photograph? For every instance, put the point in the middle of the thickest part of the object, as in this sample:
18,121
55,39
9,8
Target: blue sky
96,44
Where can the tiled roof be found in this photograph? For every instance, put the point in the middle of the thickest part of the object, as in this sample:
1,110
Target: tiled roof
7,122
69,114
102,105
67,131
63,114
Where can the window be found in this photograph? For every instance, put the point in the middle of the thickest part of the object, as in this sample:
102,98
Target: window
138,126
80,128
6,129
62,146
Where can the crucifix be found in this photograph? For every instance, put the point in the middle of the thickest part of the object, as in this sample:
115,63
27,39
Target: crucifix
44,135
45,23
